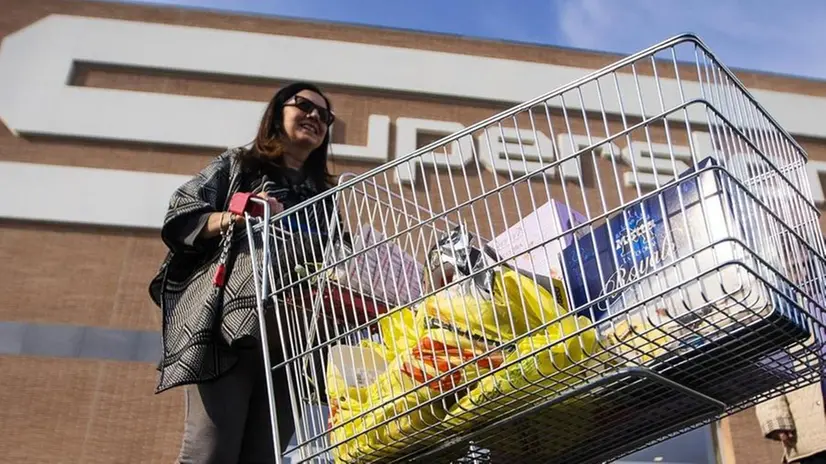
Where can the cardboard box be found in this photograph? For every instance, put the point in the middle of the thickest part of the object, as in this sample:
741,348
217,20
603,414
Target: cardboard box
549,221
678,258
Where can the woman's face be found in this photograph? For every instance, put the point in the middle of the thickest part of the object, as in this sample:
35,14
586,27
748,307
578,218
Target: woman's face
306,121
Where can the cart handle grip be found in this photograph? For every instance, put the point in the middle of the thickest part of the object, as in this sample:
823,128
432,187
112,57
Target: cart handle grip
241,203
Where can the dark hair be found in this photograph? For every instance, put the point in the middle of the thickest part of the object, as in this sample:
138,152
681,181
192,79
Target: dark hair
268,150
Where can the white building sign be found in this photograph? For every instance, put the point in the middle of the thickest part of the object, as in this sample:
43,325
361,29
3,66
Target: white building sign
36,99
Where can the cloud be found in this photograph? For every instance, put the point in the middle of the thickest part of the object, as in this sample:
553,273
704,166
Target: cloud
780,37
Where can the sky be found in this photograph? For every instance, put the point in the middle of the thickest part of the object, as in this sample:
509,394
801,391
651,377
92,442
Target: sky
777,36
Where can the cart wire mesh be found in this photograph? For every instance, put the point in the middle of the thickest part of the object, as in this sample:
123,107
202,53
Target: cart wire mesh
613,263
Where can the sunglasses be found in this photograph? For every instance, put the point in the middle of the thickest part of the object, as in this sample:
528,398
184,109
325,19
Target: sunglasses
307,106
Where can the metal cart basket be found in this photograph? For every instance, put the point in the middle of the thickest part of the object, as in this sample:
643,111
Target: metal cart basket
612,263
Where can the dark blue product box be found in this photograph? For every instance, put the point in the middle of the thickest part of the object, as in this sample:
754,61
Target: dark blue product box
676,261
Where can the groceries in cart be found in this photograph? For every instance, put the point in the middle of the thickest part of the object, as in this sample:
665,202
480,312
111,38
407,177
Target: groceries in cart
673,273
494,333
482,317
379,269
565,337
370,277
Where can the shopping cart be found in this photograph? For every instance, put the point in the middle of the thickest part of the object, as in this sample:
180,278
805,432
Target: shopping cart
618,261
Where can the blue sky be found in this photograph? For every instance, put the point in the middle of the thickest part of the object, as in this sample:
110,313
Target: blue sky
776,36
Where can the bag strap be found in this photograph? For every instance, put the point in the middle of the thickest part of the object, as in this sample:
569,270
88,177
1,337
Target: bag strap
220,277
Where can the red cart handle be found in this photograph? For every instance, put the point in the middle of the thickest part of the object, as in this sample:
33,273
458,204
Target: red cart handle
241,203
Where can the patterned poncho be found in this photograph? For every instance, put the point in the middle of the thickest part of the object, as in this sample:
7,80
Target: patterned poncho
203,327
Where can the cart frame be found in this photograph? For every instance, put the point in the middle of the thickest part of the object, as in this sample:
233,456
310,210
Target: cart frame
734,117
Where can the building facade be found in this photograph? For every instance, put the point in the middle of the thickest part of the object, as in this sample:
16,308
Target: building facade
107,107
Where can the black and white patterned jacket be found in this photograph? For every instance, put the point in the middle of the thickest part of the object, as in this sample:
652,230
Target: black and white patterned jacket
201,326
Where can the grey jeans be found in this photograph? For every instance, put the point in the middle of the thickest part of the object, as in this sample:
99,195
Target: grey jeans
228,419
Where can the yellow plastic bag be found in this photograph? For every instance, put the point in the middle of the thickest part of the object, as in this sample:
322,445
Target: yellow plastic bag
538,366
403,411
445,362
383,418
459,326
516,306
378,418
529,303
348,393
466,309
399,331
452,328
540,361
446,354
375,408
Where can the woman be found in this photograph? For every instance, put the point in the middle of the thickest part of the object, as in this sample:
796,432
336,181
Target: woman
205,289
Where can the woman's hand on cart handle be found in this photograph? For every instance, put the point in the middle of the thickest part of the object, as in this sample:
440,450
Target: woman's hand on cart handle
275,205
218,223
